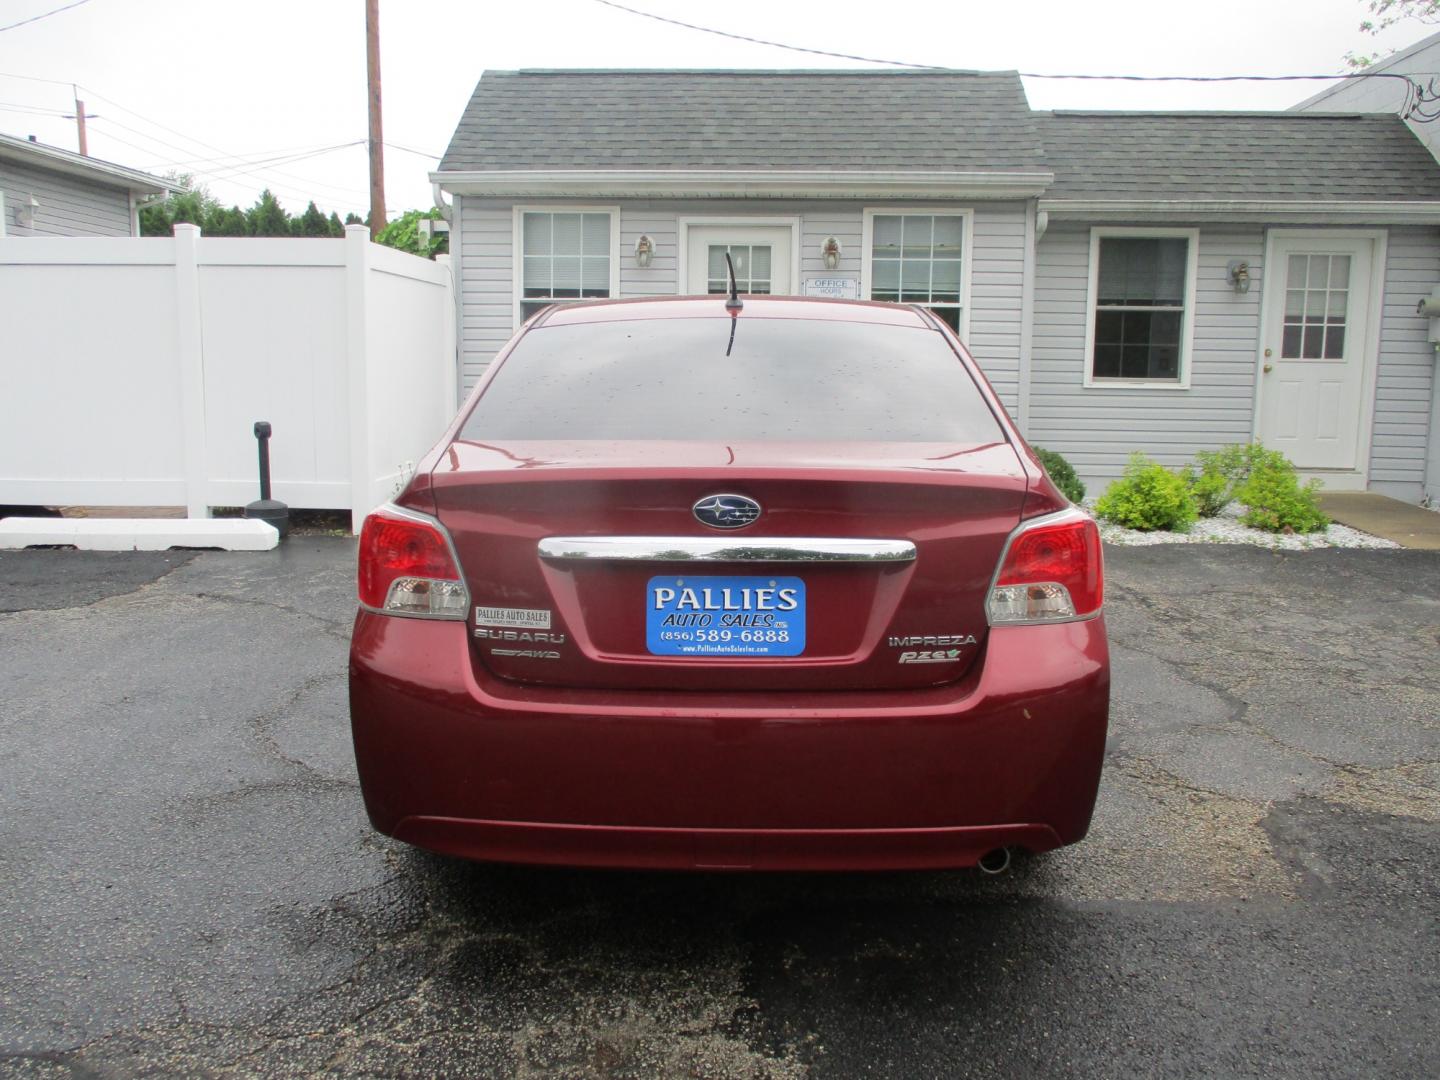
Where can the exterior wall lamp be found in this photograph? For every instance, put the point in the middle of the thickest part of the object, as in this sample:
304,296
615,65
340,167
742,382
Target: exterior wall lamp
25,213
644,251
1237,272
830,252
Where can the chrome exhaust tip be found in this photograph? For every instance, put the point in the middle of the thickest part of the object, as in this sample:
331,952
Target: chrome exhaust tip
995,862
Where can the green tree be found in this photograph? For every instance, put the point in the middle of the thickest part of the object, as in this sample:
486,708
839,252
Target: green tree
190,203
404,233
267,217
1386,13
223,222
312,222
353,218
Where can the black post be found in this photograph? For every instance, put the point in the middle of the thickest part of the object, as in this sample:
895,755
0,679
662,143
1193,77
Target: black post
262,436
266,509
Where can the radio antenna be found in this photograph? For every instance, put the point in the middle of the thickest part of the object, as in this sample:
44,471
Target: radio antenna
733,303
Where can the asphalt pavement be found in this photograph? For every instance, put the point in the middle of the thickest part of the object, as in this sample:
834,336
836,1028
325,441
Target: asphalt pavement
188,885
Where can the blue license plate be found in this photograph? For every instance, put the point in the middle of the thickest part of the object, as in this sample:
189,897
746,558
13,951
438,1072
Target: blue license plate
725,616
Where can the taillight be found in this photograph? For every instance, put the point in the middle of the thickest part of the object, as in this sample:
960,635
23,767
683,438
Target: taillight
407,567
1050,572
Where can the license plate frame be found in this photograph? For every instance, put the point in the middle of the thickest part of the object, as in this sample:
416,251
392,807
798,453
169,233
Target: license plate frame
725,616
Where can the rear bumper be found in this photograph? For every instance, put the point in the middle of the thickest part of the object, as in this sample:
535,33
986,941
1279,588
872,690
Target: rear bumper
454,760
719,849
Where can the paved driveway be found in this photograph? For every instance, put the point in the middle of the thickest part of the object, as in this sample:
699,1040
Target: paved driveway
188,885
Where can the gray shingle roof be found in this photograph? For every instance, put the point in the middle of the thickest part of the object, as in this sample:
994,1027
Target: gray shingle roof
1267,156
958,120
928,121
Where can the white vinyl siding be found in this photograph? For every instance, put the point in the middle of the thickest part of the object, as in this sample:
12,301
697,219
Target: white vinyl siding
1097,427
661,277
486,280
997,276
1405,380
67,205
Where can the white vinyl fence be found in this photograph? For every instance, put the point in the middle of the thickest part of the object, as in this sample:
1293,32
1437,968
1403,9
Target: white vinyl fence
132,371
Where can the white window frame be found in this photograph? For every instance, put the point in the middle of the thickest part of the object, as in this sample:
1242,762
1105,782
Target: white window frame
517,249
683,283
967,249
1187,317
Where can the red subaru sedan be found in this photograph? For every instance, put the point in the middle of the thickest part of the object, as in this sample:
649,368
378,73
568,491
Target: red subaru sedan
776,587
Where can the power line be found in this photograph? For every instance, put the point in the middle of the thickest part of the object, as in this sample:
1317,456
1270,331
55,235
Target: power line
417,153
35,78
218,172
38,110
239,169
762,41
243,168
43,15
227,164
95,94
223,160
229,173
270,174
1219,78
1418,93
211,146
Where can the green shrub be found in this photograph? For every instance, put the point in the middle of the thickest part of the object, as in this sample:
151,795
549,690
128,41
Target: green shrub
1275,500
1211,490
1220,474
1061,473
1148,496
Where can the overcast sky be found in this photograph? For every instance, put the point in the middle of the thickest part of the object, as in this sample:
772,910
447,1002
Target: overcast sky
214,86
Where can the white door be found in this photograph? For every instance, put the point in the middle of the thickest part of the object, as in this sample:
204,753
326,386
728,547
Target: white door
1312,380
761,254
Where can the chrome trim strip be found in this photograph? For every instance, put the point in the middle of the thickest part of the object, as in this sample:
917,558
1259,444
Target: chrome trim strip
754,549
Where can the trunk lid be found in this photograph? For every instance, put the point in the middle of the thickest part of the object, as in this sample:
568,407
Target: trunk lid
587,622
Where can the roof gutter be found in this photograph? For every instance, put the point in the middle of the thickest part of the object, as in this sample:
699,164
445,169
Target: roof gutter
437,195
1259,211
746,183
102,172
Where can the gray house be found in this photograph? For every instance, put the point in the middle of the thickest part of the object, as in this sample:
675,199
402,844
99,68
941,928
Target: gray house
46,191
1155,281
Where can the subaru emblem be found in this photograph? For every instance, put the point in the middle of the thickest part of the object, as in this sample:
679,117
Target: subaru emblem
726,511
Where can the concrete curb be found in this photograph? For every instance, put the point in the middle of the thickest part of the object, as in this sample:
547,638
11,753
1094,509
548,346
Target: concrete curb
135,534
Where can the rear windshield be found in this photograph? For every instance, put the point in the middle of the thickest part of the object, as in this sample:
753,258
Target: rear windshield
779,379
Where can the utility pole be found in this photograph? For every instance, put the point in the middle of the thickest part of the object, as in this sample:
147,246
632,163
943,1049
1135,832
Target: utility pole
80,117
377,143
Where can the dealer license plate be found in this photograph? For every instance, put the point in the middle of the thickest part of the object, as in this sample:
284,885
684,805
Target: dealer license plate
725,616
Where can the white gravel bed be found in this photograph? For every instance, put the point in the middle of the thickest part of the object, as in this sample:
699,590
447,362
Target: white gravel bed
1226,528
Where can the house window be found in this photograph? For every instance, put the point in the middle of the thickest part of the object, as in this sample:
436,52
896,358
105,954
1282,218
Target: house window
752,269
1317,288
918,258
567,256
1141,295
